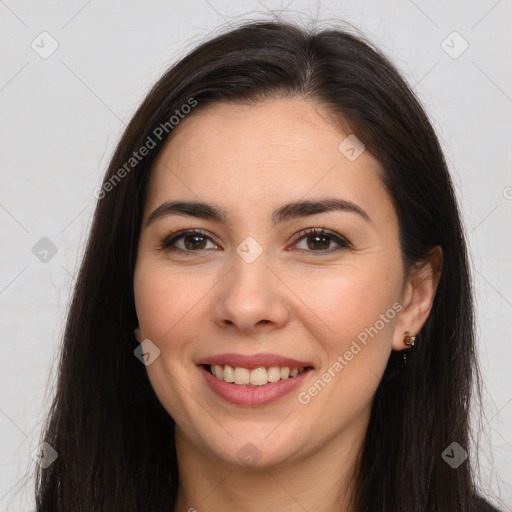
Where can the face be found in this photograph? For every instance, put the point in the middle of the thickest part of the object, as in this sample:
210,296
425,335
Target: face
247,284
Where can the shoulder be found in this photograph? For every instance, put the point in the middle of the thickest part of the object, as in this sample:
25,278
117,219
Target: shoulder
482,505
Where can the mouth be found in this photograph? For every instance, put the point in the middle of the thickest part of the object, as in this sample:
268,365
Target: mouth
253,381
256,377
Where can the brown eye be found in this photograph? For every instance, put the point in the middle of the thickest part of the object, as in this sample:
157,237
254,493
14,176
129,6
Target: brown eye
321,240
187,241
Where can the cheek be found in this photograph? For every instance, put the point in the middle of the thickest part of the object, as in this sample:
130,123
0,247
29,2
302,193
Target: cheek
359,310
355,350
349,301
165,300
168,304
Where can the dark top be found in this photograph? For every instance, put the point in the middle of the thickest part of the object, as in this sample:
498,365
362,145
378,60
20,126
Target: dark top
482,505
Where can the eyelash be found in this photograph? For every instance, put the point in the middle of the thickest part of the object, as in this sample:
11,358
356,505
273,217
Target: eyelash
168,240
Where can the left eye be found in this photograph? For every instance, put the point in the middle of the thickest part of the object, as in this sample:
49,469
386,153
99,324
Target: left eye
318,240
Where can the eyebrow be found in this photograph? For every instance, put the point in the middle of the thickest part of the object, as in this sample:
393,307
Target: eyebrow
284,212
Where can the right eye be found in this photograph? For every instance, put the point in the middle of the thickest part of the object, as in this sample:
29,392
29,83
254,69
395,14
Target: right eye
192,240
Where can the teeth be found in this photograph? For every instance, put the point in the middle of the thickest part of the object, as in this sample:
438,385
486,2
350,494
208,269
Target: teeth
284,373
256,377
229,374
259,376
218,371
273,374
242,376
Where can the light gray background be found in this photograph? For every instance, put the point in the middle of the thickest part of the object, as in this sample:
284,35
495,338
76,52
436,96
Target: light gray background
61,117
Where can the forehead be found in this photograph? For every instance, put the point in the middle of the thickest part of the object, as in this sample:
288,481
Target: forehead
257,155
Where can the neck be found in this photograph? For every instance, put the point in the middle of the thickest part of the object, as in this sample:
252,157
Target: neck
320,481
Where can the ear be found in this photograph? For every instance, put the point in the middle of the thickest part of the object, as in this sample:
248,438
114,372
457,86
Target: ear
418,296
138,336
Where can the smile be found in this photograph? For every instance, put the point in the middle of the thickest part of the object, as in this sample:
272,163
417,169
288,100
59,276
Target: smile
243,391
256,377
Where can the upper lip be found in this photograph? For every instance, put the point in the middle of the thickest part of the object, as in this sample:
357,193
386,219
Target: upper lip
253,361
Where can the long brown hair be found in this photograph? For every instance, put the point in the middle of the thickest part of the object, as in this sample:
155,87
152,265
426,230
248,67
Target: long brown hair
115,441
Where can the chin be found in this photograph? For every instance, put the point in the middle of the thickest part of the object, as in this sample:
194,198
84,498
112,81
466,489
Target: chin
252,446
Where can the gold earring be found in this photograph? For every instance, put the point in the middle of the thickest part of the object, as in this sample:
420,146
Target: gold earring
408,339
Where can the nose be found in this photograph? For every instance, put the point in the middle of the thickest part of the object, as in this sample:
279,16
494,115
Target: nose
251,298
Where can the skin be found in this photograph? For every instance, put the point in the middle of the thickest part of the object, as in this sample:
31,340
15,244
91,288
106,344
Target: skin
308,304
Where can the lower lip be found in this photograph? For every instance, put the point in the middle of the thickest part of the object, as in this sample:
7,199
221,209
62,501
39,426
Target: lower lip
253,396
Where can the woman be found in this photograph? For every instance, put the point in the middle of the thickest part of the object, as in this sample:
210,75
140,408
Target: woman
274,309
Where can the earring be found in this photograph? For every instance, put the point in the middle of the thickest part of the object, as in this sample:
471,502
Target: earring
408,340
